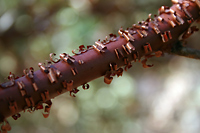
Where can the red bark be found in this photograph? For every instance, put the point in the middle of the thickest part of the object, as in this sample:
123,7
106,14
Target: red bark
105,59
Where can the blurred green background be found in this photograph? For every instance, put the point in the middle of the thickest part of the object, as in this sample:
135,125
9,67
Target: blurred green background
161,99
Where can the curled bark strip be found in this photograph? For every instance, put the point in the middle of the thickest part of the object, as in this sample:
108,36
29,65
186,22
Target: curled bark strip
108,79
119,72
56,60
29,73
113,37
103,47
147,48
52,75
47,108
75,90
81,50
144,64
113,66
45,115
16,116
189,32
118,53
68,85
74,71
158,53
80,62
65,57
161,32
11,81
39,106
85,86
128,66
5,127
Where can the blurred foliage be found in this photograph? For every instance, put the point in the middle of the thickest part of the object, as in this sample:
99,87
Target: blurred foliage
164,98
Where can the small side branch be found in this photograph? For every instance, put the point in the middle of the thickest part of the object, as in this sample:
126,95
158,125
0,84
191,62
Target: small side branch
181,50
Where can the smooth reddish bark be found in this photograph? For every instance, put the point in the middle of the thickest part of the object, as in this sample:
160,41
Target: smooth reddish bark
96,64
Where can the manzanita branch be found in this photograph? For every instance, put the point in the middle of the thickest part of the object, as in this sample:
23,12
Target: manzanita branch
105,58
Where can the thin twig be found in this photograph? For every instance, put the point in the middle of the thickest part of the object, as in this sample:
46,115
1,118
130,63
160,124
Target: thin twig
180,49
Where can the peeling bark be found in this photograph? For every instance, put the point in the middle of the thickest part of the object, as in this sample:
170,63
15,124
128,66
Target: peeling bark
105,58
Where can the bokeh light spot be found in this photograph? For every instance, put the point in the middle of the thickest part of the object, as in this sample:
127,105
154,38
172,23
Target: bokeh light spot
123,87
6,20
105,98
67,16
67,114
23,23
8,64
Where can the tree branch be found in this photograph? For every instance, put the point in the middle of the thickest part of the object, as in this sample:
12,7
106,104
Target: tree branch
105,58
179,49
